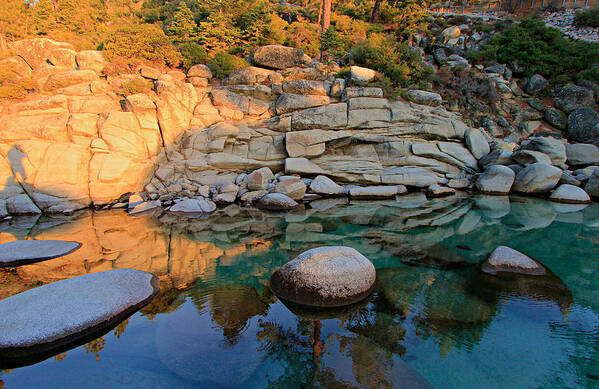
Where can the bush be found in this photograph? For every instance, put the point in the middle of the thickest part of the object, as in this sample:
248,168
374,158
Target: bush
192,54
141,42
397,61
587,18
539,49
137,85
223,64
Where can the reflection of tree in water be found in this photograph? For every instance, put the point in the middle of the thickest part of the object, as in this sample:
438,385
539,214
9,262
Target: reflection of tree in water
381,324
60,357
120,329
95,346
292,348
438,303
167,301
231,307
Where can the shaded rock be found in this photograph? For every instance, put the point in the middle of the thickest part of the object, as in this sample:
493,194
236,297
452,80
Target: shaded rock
571,97
569,194
325,117
537,104
23,252
358,91
325,277
425,98
145,206
496,180
55,315
288,102
581,154
583,126
21,205
277,202
528,157
248,76
260,178
195,205
536,84
592,186
477,143
537,178
305,87
323,185
496,157
361,76
280,57
294,188
555,149
556,118
253,196
437,190
376,192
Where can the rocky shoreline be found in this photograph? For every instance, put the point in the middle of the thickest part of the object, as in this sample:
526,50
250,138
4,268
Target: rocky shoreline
285,130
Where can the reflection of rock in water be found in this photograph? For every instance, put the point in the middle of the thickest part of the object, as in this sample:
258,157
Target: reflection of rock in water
443,296
381,328
192,347
230,307
355,361
316,313
546,287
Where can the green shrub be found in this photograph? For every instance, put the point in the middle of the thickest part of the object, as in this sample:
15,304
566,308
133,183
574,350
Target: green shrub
192,54
539,49
223,64
137,85
397,61
141,42
587,18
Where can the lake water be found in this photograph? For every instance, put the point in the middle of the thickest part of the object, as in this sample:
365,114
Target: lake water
432,317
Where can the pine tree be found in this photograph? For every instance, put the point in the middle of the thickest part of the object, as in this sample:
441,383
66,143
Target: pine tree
44,18
183,28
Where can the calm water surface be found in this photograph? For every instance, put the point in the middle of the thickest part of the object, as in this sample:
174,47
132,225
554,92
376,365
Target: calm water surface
432,317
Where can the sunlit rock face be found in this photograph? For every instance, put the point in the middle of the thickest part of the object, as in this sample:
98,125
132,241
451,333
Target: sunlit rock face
83,140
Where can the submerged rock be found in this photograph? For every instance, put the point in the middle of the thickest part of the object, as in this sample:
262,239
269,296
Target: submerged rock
23,252
325,277
509,272
55,315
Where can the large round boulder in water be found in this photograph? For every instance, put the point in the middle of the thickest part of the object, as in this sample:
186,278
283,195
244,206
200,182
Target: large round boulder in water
54,317
325,277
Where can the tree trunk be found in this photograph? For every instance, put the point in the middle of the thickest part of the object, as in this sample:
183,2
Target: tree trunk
374,18
325,12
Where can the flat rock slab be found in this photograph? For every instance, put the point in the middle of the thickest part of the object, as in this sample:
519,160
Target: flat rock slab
23,252
59,315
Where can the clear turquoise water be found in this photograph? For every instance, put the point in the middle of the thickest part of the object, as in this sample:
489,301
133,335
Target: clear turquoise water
216,324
